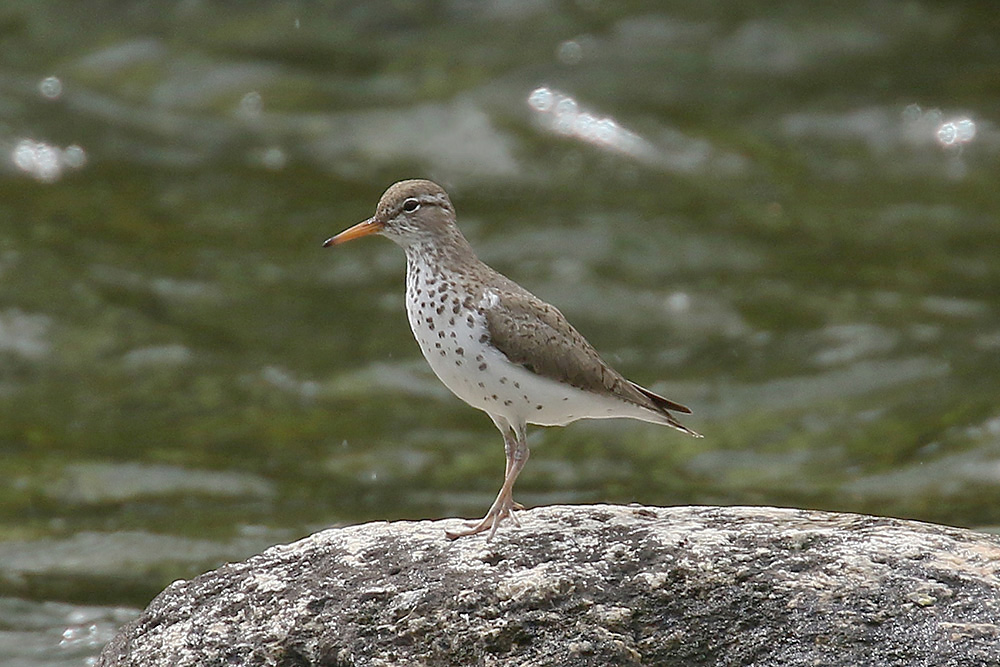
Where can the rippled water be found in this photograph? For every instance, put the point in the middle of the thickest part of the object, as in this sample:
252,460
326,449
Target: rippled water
784,217
53,634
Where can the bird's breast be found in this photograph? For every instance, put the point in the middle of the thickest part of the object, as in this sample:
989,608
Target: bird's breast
452,337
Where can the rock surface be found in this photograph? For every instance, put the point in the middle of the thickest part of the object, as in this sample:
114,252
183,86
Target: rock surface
593,585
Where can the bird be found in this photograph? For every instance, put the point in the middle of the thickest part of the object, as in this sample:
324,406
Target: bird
493,343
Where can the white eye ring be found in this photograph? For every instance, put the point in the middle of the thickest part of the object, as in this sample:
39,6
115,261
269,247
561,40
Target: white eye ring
411,205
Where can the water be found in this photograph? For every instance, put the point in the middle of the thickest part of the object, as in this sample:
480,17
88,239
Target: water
53,634
785,219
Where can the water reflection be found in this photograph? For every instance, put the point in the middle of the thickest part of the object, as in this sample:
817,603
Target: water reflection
561,114
50,87
45,162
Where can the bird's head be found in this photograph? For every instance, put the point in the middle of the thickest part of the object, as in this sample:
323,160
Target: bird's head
409,212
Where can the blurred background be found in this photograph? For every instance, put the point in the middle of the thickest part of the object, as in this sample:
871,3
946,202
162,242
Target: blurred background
781,214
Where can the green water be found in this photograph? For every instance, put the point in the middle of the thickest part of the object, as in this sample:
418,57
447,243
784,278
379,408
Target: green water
186,376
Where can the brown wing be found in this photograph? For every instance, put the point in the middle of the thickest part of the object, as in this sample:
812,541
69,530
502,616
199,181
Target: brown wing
521,326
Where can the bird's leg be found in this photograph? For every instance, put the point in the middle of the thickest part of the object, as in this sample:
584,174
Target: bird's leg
509,446
506,495
509,449
503,506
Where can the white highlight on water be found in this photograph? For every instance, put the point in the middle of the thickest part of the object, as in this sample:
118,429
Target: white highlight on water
251,105
50,87
951,132
45,162
956,132
74,157
273,158
679,302
561,114
570,52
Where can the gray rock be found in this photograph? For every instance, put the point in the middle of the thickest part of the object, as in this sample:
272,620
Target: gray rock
593,585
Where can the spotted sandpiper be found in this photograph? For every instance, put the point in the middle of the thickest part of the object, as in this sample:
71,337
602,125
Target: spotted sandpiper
495,345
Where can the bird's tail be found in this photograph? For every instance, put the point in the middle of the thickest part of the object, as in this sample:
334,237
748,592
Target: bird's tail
664,405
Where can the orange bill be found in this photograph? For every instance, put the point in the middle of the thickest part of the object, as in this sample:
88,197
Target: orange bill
365,228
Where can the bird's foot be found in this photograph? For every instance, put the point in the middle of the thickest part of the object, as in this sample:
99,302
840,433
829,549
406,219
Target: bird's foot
502,508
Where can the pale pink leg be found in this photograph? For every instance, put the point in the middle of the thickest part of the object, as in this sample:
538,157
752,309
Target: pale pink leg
504,505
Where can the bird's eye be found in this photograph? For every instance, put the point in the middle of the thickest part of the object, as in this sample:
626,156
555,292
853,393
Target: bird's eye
411,205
